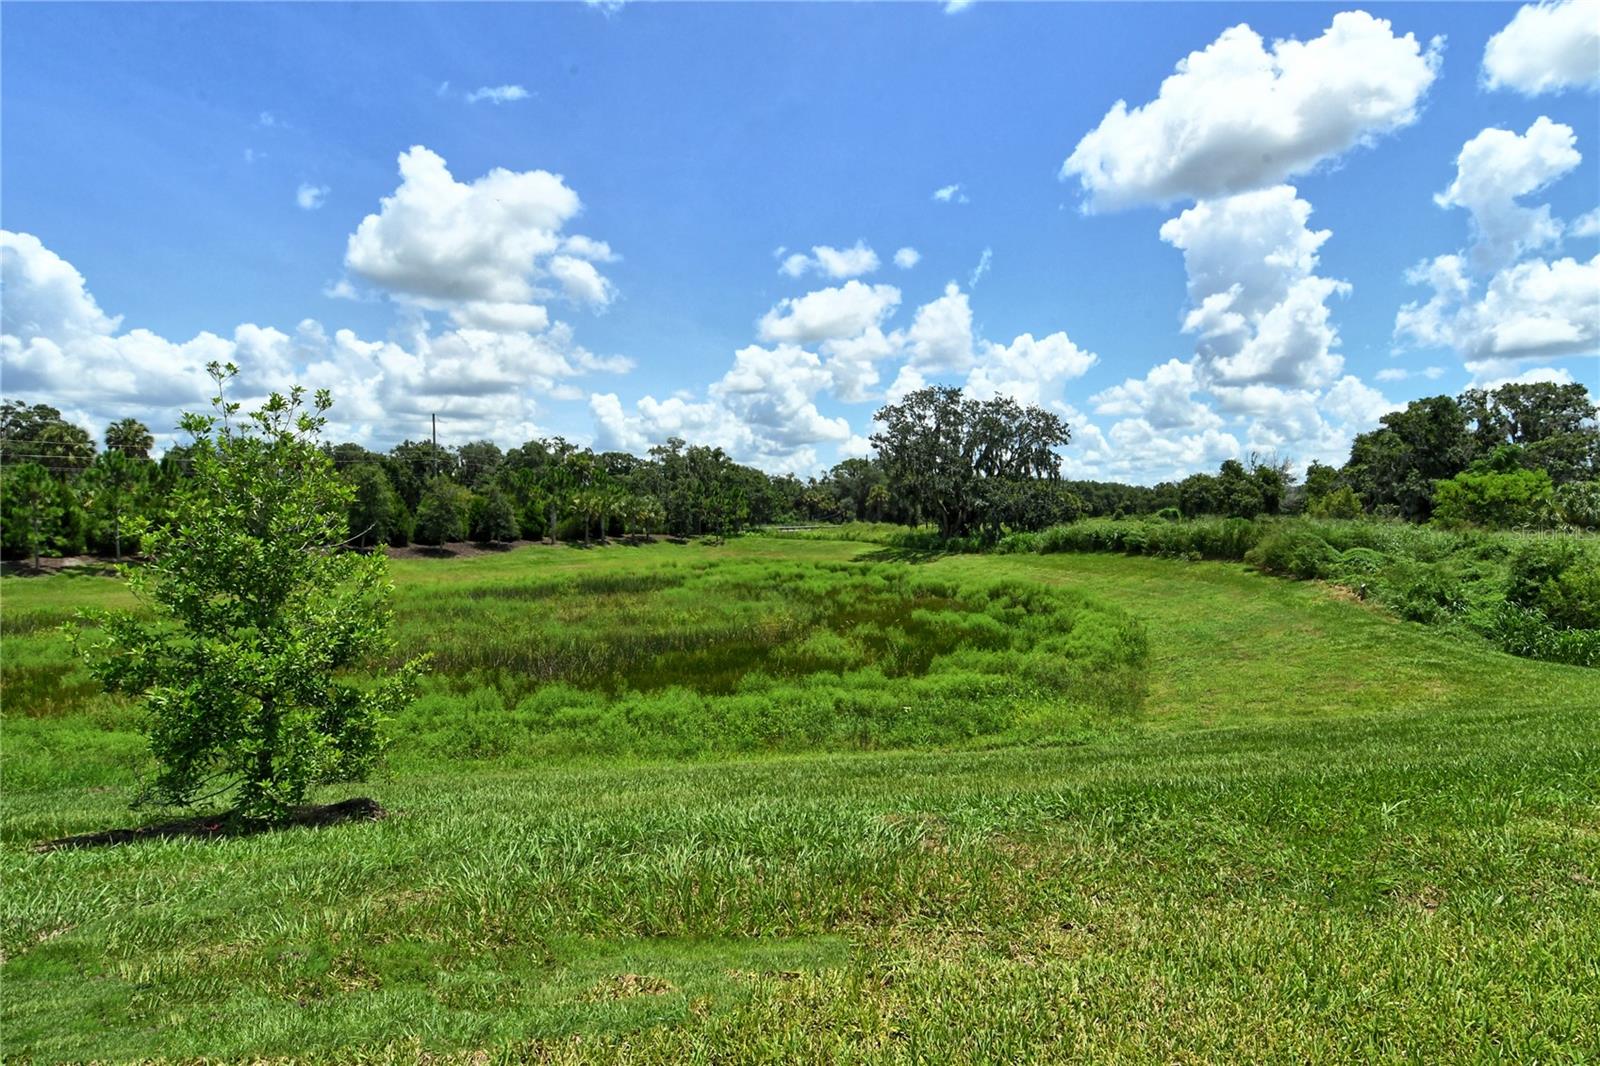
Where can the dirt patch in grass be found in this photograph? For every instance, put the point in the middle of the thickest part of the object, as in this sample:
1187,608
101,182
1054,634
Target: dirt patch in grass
626,986
462,549
224,824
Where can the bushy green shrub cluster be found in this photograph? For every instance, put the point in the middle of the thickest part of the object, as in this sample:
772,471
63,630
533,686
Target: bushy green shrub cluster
763,656
1532,594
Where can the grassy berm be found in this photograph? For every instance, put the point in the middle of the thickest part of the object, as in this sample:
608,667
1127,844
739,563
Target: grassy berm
820,801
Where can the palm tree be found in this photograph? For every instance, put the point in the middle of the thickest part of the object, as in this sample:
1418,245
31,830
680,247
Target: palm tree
131,437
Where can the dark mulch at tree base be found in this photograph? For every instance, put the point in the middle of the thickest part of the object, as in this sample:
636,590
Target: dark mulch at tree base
226,824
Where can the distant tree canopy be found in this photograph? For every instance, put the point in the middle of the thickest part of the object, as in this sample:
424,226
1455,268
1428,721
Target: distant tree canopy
971,468
1397,468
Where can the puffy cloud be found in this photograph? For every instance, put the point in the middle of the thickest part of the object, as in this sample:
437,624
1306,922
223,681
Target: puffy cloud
907,381
771,391
494,240
1496,306
342,289
951,194
1029,371
1547,47
1553,375
58,345
940,337
581,281
504,317
1164,399
1534,310
1259,311
906,258
1432,324
588,248
834,262
310,197
829,314
1305,424
1358,405
710,422
45,296
852,362
497,94
1239,116
1493,170
1586,225
1145,453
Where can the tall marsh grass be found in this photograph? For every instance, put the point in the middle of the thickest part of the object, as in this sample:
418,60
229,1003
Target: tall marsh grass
754,656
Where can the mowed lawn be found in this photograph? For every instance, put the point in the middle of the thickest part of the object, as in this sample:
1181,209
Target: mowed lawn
1323,835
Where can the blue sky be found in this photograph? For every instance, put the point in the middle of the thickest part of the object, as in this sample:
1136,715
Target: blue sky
190,181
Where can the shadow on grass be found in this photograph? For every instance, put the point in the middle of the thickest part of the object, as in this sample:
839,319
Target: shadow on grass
904,555
225,824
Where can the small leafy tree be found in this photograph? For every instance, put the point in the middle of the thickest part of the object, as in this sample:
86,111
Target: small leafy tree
255,620
376,513
112,482
32,510
493,519
439,514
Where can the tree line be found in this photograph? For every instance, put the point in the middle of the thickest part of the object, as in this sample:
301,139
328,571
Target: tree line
1521,454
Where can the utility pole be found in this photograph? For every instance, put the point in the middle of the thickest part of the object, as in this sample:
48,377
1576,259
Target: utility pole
435,418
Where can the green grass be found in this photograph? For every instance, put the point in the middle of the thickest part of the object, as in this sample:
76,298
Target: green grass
1320,834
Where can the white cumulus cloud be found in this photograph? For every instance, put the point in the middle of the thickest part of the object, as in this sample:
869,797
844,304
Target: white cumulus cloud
1256,305
1547,47
1496,168
1027,370
485,378
1497,305
1240,115
497,239
829,314
838,263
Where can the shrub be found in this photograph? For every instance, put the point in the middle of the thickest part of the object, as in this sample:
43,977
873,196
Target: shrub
1422,592
1342,502
1295,551
1498,500
1578,504
1360,562
1527,632
1560,578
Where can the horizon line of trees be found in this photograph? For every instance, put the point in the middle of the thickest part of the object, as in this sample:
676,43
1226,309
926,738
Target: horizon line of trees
1521,454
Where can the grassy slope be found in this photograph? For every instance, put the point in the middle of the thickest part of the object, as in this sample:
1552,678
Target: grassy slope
1328,836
